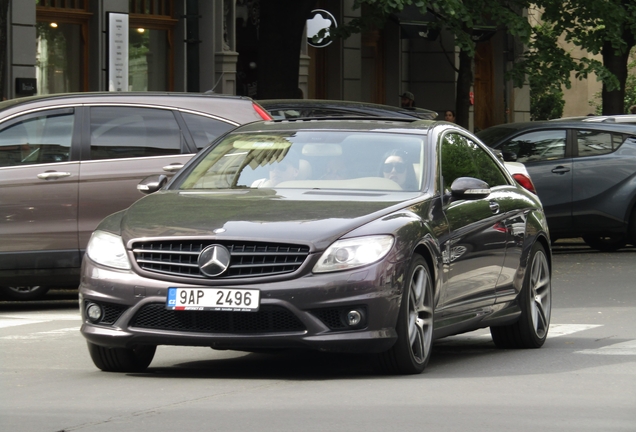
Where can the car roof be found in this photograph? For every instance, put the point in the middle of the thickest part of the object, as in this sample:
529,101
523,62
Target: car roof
228,106
368,124
494,134
347,105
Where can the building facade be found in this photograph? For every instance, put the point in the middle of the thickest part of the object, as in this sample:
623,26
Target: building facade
57,46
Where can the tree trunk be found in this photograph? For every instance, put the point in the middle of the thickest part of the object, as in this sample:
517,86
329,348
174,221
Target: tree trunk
464,83
281,28
614,101
4,27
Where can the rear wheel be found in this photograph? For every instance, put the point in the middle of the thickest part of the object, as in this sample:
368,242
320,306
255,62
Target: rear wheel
24,292
414,328
122,359
535,301
606,243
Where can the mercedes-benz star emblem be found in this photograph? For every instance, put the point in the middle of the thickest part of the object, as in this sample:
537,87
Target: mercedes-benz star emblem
214,260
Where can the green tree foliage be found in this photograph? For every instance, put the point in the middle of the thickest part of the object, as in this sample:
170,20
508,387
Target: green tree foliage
605,27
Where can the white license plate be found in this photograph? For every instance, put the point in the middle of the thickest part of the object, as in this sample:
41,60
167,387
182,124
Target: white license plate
216,299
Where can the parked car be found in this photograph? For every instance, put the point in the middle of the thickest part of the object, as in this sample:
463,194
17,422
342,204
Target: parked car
67,161
310,108
620,118
584,173
367,236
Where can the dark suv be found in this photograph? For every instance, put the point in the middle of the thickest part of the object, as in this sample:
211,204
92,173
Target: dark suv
67,161
584,173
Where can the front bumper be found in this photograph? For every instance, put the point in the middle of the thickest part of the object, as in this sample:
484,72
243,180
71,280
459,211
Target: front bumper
303,312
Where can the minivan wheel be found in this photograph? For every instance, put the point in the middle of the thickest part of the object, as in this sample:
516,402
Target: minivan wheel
605,243
535,302
23,292
122,359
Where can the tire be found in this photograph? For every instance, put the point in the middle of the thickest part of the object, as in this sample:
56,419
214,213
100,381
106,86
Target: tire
606,243
122,359
414,327
535,301
23,293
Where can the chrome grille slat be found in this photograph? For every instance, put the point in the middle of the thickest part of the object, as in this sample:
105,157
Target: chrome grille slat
248,259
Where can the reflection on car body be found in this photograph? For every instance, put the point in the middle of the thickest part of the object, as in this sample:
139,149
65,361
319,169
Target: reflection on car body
360,264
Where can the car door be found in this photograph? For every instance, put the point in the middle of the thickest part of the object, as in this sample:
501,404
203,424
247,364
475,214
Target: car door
547,156
475,248
39,174
124,144
599,169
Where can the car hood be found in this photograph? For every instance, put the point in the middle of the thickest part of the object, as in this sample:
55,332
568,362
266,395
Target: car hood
312,217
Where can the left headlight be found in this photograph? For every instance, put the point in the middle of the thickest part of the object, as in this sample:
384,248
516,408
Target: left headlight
355,252
108,249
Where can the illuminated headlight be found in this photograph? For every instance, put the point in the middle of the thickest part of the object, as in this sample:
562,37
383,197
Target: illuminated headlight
107,249
352,253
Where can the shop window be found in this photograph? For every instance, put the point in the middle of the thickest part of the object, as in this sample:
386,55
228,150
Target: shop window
62,46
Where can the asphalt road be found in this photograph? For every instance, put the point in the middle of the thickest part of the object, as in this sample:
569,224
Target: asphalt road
583,379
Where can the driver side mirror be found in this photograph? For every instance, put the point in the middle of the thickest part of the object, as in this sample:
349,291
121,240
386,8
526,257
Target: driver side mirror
469,188
152,183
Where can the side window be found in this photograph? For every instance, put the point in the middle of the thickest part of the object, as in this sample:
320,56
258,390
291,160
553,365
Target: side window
37,139
535,146
125,132
593,143
463,158
205,129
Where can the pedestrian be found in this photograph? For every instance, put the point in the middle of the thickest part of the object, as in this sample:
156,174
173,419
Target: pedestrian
408,100
449,116
632,109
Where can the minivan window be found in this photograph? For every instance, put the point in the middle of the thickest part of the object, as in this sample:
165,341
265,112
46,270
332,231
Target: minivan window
205,129
43,138
125,132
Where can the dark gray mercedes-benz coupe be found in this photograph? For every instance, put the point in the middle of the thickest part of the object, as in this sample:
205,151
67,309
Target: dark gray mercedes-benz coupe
351,235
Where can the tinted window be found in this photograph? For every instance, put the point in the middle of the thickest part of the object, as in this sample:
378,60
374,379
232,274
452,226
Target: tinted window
592,143
535,146
463,158
44,138
205,129
123,132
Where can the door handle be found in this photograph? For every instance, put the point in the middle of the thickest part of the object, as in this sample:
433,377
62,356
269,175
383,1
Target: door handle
494,207
561,170
173,167
53,175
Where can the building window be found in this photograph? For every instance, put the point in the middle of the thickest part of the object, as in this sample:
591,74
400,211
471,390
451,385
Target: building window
151,36
62,46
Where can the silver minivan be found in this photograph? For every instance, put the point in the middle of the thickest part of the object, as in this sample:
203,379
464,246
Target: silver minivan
69,160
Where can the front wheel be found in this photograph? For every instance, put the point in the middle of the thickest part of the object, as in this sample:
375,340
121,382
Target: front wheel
122,359
414,327
23,292
535,301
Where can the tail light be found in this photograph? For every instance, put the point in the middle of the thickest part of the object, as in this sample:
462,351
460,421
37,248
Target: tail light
261,112
525,182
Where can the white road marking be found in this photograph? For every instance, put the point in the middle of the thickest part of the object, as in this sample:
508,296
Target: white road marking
11,322
41,335
483,336
557,330
623,348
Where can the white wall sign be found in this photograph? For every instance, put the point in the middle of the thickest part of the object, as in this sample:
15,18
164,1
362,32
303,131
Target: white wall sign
318,21
117,52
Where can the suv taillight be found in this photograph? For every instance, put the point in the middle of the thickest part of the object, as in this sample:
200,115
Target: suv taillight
525,182
261,112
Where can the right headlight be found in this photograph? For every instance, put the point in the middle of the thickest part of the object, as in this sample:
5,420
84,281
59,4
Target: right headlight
108,249
355,252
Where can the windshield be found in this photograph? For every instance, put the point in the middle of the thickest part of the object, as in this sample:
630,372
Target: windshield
312,160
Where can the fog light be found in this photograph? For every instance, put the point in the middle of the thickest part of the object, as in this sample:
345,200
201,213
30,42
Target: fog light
94,312
354,317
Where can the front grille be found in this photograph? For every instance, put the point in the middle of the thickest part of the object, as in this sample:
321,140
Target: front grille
248,259
268,319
